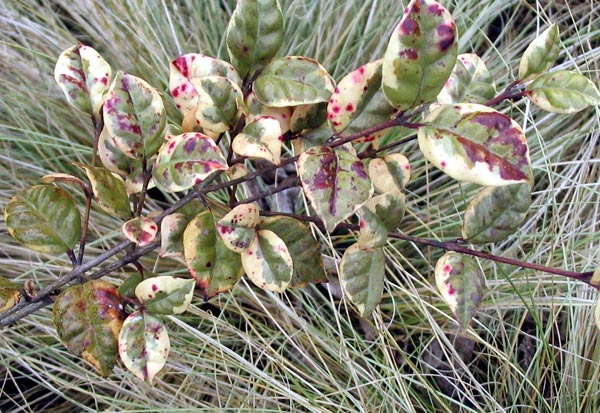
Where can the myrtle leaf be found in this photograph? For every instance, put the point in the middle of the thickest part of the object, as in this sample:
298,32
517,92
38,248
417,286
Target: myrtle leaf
541,54
373,234
186,160
44,218
127,288
268,262
495,213
257,110
237,227
563,92
390,173
378,216
109,191
140,230
134,116
62,178
462,285
144,345
309,117
292,81
475,143
84,76
171,235
88,318
420,55
219,105
10,294
254,33
361,277
469,82
165,294
260,139
335,182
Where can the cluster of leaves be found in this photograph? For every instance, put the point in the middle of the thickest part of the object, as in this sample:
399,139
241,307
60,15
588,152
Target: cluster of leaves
256,110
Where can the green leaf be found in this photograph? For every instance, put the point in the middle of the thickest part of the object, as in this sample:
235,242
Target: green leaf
309,117
134,116
334,181
171,235
358,103
469,82
10,294
361,277
194,65
165,294
220,103
420,55
303,248
292,81
254,33
268,262
462,285
215,268
140,230
109,191
144,345
44,218
390,173
186,160
495,213
475,143
88,318
563,92
541,54
237,227
260,139
84,76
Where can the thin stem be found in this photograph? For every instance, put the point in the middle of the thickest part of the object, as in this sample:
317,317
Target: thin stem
98,126
89,195
72,257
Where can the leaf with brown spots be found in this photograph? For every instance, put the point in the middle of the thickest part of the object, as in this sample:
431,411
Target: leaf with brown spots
140,230
237,227
260,139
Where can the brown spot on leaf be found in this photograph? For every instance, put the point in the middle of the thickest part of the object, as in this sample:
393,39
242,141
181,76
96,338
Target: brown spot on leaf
446,33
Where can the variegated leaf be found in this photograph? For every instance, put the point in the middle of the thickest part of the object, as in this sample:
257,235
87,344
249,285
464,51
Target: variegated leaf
109,191
219,105
541,54
257,110
563,92
361,277
165,294
268,263
237,227
10,294
469,82
171,235
390,173
140,230
260,139
308,117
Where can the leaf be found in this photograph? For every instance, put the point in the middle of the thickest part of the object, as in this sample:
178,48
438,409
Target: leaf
254,33
165,294
220,103
597,313
361,278
83,75
134,116
292,81
257,110
334,181
268,262
140,230
595,280
44,218
186,160
495,213
109,191
88,318
237,227
10,294
194,65
469,82
62,178
462,285
215,268
420,55
563,92
171,235
390,173
475,143
378,216
307,261
144,345
309,117
541,54
358,103
373,233
260,139
127,288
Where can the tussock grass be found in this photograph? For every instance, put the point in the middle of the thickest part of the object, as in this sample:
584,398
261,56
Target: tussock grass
532,347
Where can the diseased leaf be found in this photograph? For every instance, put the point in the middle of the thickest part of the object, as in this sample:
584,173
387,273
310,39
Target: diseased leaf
171,235
268,263
165,294
541,54
127,288
186,160
475,143
334,181
420,55
260,139
378,216
237,227
390,173
462,285
84,76
134,116
109,191
292,81
361,277
563,92
495,213
88,318
10,294
373,234
257,110
44,218
140,230
219,105
144,345
469,82
303,248
309,117
254,33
